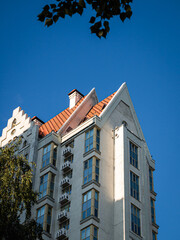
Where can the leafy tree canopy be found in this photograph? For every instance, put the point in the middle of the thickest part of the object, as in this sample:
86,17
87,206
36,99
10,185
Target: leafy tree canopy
16,196
104,10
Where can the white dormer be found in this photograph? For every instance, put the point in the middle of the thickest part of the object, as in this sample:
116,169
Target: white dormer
74,97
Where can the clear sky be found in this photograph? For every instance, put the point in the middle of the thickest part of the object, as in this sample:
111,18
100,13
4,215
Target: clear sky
40,66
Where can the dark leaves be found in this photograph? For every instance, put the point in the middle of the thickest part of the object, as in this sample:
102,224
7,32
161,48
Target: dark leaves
92,20
104,11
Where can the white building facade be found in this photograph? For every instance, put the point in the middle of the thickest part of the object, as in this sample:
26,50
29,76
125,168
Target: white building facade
94,172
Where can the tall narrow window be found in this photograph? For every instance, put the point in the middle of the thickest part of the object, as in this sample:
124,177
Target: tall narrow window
46,155
86,208
96,204
48,227
40,215
97,170
153,211
89,140
90,204
43,186
151,179
91,170
88,170
98,139
54,155
44,217
135,220
133,155
134,180
92,139
52,185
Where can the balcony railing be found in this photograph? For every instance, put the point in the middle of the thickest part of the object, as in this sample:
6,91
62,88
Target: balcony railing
65,182
66,166
62,216
67,151
64,198
61,234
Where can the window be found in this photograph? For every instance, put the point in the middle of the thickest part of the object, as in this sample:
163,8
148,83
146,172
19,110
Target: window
69,158
88,170
133,155
86,205
134,180
49,155
97,170
135,220
97,139
46,185
153,211
67,190
64,225
43,186
40,216
44,219
89,233
66,207
92,139
49,219
154,236
91,170
52,184
54,155
89,140
46,155
151,179
90,204
85,234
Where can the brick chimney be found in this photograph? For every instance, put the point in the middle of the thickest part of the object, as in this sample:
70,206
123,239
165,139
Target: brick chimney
74,97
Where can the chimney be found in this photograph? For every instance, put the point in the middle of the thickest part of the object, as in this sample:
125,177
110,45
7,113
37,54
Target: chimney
74,97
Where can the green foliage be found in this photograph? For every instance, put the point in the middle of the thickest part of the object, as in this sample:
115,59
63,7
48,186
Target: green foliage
16,196
104,11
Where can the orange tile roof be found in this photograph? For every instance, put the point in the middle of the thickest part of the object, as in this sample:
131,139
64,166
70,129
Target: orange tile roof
99,107
56,122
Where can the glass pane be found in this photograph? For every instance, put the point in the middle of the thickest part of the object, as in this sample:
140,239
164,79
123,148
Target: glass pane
88,232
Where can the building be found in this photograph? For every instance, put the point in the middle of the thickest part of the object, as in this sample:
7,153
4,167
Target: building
94,172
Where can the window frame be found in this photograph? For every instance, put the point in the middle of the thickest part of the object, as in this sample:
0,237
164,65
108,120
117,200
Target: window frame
133,161
153,214
91,231
134,191
52,152
94,204
135,227
94,139
45,224
94,170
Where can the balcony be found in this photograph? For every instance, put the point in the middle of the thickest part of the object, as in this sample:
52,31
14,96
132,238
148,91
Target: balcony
65,198
67,151
66,166
65,182
63,216
61,234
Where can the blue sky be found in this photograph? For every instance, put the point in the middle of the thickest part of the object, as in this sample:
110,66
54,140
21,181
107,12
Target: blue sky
40,66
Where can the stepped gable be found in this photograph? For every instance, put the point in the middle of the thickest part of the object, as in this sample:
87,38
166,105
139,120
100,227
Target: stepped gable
56,122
